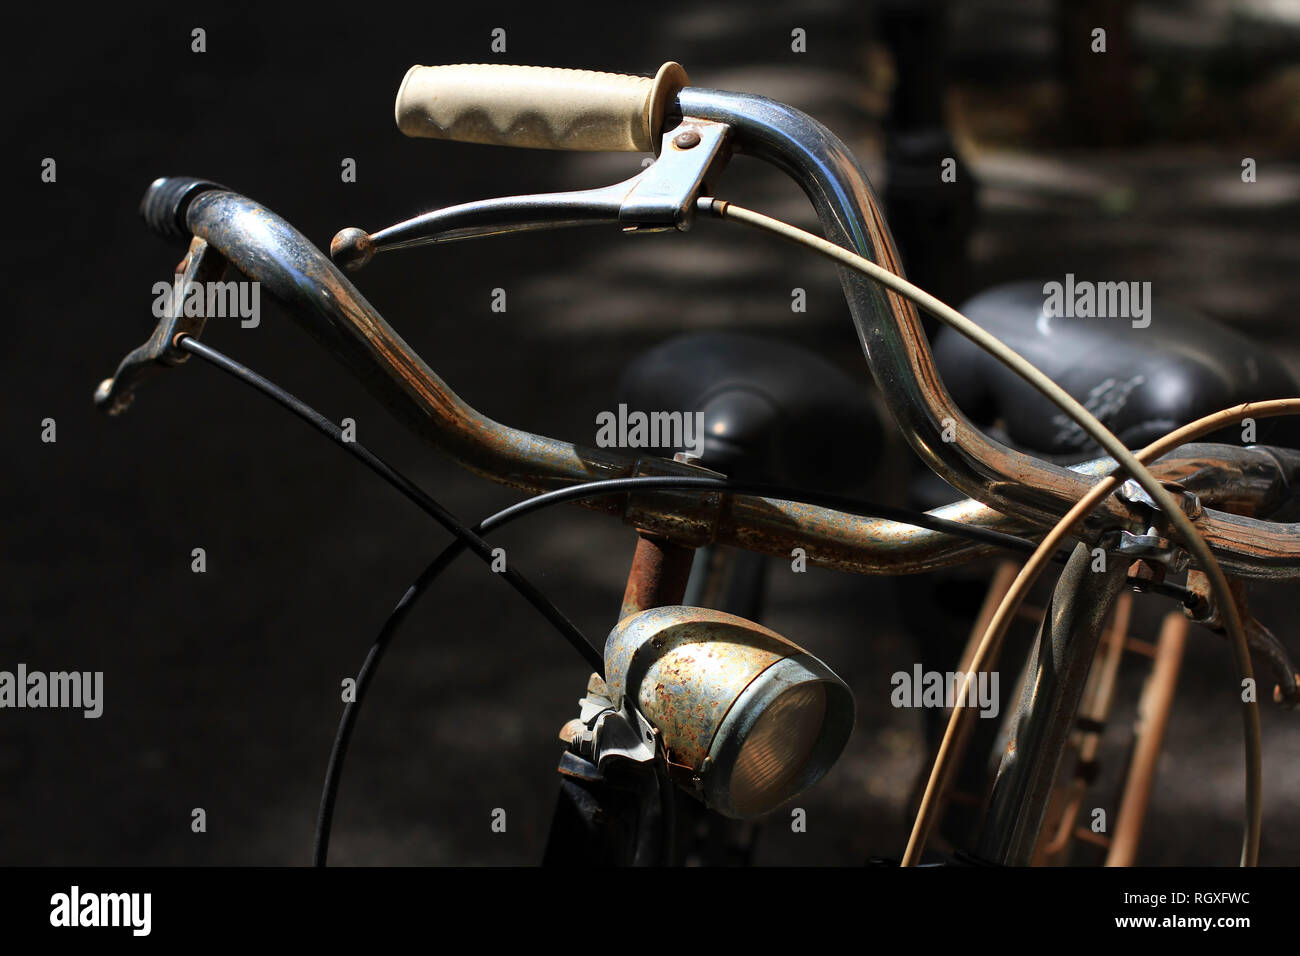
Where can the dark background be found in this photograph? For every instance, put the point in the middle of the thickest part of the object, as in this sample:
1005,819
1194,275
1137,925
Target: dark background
222,689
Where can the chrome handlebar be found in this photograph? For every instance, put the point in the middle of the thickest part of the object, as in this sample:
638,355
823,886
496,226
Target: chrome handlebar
1011,491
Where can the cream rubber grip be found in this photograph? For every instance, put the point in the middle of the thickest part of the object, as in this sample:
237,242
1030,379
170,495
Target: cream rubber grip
537,106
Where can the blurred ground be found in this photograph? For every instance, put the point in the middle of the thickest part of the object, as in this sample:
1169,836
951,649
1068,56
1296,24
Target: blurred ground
222,689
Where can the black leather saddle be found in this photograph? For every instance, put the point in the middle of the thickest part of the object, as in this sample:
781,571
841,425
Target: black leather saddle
1141,376
772,411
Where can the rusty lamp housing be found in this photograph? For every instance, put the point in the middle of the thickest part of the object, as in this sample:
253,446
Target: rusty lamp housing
745,718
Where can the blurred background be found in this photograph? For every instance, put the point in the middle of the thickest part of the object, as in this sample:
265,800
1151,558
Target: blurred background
222,689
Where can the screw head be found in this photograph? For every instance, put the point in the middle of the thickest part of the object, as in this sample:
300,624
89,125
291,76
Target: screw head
687,139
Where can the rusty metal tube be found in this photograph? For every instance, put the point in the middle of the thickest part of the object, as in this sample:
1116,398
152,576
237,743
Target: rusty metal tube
888,326
658,576
1153,720
320,299
317,296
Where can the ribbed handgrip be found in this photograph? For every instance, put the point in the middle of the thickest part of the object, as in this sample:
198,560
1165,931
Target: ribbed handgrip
536,106
166,201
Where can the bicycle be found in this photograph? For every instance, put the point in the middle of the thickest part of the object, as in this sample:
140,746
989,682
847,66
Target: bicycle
693,699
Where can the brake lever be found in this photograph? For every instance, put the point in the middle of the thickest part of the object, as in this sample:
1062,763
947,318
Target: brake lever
1260,639
202,264
659,198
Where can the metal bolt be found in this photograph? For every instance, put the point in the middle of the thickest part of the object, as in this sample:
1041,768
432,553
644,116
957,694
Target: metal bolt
1146,571
687,139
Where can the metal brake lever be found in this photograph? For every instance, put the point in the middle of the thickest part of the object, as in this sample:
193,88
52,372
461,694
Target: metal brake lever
1258,637
202,264
661,197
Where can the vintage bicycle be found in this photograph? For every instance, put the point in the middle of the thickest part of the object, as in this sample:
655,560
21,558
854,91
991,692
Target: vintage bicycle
696,714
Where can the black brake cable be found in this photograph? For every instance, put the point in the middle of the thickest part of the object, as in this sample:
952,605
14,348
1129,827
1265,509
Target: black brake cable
471,539
464,535
614,486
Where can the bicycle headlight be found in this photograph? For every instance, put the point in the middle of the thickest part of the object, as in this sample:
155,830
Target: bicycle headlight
747,719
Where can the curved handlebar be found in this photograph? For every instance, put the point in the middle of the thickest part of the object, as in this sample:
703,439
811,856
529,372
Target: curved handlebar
322,300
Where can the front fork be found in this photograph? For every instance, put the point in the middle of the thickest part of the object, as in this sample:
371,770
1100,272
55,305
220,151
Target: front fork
1049,702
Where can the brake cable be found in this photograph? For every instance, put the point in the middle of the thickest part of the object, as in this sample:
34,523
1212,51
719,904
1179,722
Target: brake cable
471,539
1126,461
611,486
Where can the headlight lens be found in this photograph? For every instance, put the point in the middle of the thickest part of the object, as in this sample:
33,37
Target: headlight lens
776,751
